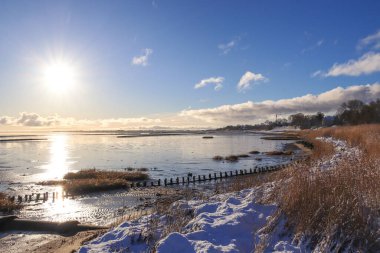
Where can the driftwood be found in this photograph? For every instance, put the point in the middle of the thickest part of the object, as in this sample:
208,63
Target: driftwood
13,223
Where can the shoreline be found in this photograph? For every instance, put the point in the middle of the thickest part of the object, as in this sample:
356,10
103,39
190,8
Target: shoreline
63,247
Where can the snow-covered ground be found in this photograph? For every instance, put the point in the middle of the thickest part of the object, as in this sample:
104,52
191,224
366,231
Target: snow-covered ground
232,222
342,151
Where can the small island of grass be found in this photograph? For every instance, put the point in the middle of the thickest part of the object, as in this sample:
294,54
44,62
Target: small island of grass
92,180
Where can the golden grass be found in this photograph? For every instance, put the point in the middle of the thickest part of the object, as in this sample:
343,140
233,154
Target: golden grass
340,205
231,158
338,209
366,137
104,174
83,186
6,205
92,180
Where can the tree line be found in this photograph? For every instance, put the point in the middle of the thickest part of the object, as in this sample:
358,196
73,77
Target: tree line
352,112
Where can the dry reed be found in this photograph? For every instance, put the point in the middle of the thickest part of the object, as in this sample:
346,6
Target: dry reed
337,208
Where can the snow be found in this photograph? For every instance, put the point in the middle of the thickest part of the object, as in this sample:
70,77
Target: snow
342,151
232,222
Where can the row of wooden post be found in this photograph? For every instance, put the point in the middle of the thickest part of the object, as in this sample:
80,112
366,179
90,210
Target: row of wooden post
166,182
37,197
209,177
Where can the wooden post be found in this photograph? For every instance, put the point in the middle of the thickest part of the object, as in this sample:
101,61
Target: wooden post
188,180
236,172
193,179
230,173
152,183
159,182
220,174
165,182
209,176
144,183
177,180
204,177
183,180
225,174
250,170
171,181
215,176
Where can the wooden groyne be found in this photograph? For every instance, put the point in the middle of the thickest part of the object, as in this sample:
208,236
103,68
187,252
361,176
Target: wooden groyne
166,182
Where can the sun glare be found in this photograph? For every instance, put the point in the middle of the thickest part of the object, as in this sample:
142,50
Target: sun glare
59,77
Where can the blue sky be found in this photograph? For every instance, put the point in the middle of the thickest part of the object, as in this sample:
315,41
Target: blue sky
279,43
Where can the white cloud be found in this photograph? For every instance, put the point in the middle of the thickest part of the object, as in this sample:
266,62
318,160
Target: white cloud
249,79
217,81
26,119
226,48
253,112
367,64
244,113
142,59
372,40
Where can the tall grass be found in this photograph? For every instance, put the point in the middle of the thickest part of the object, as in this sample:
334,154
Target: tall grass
104,174
92,180
338,208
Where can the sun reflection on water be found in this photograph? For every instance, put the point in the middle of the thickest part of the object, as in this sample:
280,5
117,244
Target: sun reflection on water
59,163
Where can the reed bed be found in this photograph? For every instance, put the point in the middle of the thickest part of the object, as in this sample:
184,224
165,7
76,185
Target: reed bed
104,174
337,208
92,180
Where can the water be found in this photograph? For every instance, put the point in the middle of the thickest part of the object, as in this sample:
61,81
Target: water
24,163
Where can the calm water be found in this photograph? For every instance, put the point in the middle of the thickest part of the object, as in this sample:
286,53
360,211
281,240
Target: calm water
24,163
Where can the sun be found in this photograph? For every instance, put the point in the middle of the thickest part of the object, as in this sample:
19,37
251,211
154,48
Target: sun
59,77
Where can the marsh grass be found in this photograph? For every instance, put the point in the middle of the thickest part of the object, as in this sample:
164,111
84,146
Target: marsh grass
105,174
337,208
83,186
218,158
231,158
287,152
8,206
92,180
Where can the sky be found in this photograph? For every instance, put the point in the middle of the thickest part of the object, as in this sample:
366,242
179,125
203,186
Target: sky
183,64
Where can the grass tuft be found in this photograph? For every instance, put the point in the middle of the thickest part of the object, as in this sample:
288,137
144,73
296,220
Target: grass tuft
8,206
92,180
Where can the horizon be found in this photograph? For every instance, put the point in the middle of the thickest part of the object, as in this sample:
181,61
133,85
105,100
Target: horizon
140,65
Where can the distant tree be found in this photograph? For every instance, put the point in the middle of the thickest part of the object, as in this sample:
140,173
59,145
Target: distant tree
355,112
